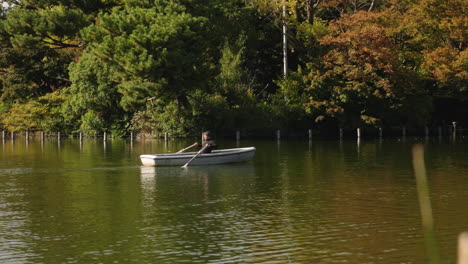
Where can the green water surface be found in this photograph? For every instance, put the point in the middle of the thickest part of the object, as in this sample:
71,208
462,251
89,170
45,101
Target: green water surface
296,202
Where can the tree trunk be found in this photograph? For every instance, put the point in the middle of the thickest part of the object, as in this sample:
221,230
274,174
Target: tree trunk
371,6
310,11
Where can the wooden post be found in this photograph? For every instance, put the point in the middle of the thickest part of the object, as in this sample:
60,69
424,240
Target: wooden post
165,136
105,135
310,134
42,136
380,133
3,134
278,134
58,135
454,131
12,135
341,134
463,248
81,136
27,136
358,132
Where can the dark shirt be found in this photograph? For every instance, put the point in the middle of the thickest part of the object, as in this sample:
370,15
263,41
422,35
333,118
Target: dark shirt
211,146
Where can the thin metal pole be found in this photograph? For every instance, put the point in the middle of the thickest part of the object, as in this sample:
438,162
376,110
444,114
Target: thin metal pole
285,45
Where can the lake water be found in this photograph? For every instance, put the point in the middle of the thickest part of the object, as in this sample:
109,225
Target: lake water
296,202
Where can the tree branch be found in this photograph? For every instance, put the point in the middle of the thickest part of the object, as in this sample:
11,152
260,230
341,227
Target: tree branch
60,43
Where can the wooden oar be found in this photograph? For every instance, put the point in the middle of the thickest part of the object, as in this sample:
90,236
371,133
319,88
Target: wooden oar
199,152
191,146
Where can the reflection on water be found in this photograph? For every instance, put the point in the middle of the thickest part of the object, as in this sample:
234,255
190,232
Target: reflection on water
297,202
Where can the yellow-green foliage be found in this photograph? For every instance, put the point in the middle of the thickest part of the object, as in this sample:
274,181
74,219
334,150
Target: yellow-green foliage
34,115
22,117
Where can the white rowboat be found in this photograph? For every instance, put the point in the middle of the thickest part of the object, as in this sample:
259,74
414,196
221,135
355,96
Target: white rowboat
215,157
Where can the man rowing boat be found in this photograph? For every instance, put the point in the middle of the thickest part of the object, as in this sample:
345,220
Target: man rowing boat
208,144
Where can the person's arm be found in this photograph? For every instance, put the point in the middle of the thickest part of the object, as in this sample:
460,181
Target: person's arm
211,143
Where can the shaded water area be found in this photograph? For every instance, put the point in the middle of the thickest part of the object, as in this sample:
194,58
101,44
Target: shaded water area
296,202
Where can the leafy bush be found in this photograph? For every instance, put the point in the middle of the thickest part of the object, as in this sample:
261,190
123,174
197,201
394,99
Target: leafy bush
91,123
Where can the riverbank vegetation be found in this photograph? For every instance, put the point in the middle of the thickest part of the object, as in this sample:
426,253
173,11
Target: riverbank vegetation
180,66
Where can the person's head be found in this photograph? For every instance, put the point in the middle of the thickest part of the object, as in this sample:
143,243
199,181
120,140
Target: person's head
207,135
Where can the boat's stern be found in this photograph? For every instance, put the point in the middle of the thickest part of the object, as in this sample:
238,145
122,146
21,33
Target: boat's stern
148,160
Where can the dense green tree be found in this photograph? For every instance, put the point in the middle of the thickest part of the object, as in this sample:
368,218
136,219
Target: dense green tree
38,39
156,50
225,105
93,96
37,43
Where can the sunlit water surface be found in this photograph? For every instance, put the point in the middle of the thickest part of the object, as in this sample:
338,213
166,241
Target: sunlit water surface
296,202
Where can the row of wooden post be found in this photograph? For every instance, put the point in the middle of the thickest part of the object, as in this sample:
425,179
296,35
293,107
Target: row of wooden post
358,133
42,135
238,134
